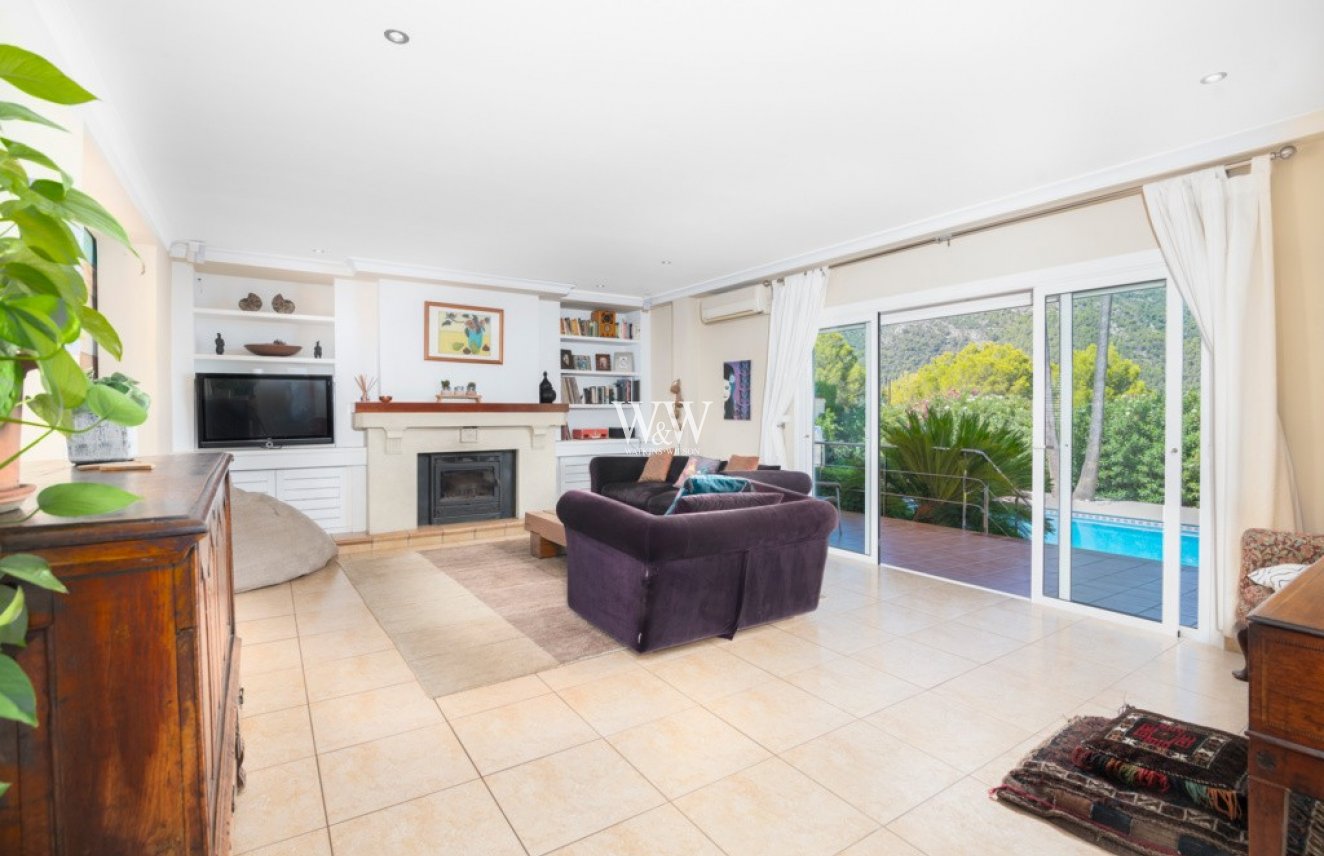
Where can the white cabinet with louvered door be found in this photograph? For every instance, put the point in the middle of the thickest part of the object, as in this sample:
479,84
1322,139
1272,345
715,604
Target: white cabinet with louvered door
254,481
572,473
319,492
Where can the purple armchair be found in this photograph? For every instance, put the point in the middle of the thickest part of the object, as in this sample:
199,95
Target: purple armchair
652,581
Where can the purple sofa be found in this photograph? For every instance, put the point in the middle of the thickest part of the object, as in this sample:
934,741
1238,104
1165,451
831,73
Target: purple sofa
617,477
653,581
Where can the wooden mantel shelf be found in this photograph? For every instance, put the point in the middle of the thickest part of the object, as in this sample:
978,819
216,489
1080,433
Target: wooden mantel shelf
447,407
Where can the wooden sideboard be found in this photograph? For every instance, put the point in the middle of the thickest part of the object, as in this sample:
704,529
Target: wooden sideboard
136,671
1286,661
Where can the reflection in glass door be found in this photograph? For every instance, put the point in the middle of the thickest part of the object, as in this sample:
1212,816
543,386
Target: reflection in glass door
1121,452
841,422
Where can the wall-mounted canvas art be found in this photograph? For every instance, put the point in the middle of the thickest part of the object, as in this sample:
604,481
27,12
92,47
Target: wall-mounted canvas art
735,390
463,334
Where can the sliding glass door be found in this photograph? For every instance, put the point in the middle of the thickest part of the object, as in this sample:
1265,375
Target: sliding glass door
1119,484
839,446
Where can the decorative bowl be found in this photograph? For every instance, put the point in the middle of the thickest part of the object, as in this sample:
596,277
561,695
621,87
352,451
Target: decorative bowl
386,399
273,349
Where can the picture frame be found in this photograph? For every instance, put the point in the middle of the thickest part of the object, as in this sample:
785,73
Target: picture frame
463,334
623,361
567,360
602,362
736,390
583,363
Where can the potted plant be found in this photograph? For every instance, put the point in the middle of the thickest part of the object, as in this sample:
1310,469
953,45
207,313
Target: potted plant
95,439
44,310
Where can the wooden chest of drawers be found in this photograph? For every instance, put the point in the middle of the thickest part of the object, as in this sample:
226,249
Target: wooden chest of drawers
136,672
1286,660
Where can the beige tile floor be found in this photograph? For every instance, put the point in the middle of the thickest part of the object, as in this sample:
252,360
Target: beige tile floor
875,725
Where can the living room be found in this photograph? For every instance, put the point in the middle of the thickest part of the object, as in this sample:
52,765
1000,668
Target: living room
558,450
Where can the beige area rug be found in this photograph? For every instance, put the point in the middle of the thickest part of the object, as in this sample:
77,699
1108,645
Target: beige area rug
472,615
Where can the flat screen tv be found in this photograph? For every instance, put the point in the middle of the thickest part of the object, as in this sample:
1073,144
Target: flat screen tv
263,410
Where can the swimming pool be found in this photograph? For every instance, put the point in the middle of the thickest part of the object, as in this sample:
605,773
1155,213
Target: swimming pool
1124,536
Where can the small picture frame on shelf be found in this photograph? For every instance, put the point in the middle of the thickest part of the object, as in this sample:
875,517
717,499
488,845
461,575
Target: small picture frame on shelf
583,363
623,361
567,360
602,362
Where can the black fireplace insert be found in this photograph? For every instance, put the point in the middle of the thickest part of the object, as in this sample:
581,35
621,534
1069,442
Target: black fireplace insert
456,487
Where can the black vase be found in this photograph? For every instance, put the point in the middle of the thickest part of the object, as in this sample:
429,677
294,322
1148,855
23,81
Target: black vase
546,392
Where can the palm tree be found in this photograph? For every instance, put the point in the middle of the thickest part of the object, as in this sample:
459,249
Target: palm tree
938,464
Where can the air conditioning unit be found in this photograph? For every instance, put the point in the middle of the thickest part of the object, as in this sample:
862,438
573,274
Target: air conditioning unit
739,303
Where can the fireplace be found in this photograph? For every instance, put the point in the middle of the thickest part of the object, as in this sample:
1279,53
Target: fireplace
455,487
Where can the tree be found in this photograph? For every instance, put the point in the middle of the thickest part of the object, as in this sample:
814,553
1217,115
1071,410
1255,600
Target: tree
940,462
979,367
1088,482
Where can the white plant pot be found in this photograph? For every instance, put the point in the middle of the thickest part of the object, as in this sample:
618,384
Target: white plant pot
106,442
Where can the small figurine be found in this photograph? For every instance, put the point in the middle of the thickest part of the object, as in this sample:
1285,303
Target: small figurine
220,344
317,350
471,388
445,386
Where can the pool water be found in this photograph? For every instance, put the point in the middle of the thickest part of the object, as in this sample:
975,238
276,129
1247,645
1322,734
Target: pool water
1139,539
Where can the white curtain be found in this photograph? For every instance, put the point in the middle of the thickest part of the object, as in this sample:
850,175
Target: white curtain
797,301
1216,234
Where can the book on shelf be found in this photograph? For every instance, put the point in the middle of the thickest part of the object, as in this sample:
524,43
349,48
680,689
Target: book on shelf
623,390
599,329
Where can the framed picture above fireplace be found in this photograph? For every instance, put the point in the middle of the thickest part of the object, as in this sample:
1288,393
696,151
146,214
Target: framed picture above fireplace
463,334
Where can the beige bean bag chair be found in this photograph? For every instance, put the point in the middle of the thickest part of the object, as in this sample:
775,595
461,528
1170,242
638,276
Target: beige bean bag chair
273,541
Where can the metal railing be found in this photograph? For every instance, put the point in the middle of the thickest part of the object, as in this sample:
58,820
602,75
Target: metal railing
984,498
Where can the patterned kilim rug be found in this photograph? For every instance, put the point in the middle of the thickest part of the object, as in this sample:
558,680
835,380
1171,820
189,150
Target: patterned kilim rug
1144,783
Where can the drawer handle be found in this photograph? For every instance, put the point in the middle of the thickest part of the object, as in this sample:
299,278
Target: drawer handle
1266,760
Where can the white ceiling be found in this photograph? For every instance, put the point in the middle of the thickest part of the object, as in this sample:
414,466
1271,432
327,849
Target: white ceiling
585,141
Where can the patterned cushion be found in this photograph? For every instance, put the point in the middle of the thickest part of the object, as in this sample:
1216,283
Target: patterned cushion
696,465
656,468
1145,750
1261,548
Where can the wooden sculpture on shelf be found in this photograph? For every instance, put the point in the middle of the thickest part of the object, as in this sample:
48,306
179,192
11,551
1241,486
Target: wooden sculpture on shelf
675,407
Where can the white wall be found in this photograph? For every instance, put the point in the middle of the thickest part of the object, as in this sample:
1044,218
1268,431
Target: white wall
406,376
357,345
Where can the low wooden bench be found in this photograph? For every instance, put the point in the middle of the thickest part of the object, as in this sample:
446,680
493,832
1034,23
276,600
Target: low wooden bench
546,534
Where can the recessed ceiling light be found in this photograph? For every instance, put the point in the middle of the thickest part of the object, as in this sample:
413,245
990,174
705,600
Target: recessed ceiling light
1213,78
665,262
599,287
396,37
319,251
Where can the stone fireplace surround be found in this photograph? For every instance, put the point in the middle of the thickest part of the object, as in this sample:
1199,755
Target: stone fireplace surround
398,432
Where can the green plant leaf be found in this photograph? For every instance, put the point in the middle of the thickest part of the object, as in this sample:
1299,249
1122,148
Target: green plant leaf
82,499
48,410
27,323
32,569
36,76
64,379
48,236
14,631
43,277
9,111
51,190
99,328
4,786
84,209
114,405
23,151
17,700
11,605
11,385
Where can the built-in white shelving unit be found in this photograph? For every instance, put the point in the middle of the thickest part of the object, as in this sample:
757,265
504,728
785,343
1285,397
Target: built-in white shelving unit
574,455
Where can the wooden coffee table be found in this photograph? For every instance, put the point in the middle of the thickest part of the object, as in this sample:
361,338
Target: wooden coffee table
546,534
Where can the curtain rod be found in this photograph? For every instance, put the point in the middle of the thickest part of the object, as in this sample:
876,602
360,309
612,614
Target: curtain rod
1282,153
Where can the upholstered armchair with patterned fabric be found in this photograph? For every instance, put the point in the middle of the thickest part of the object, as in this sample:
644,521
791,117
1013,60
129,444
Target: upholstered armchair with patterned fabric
1263,548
